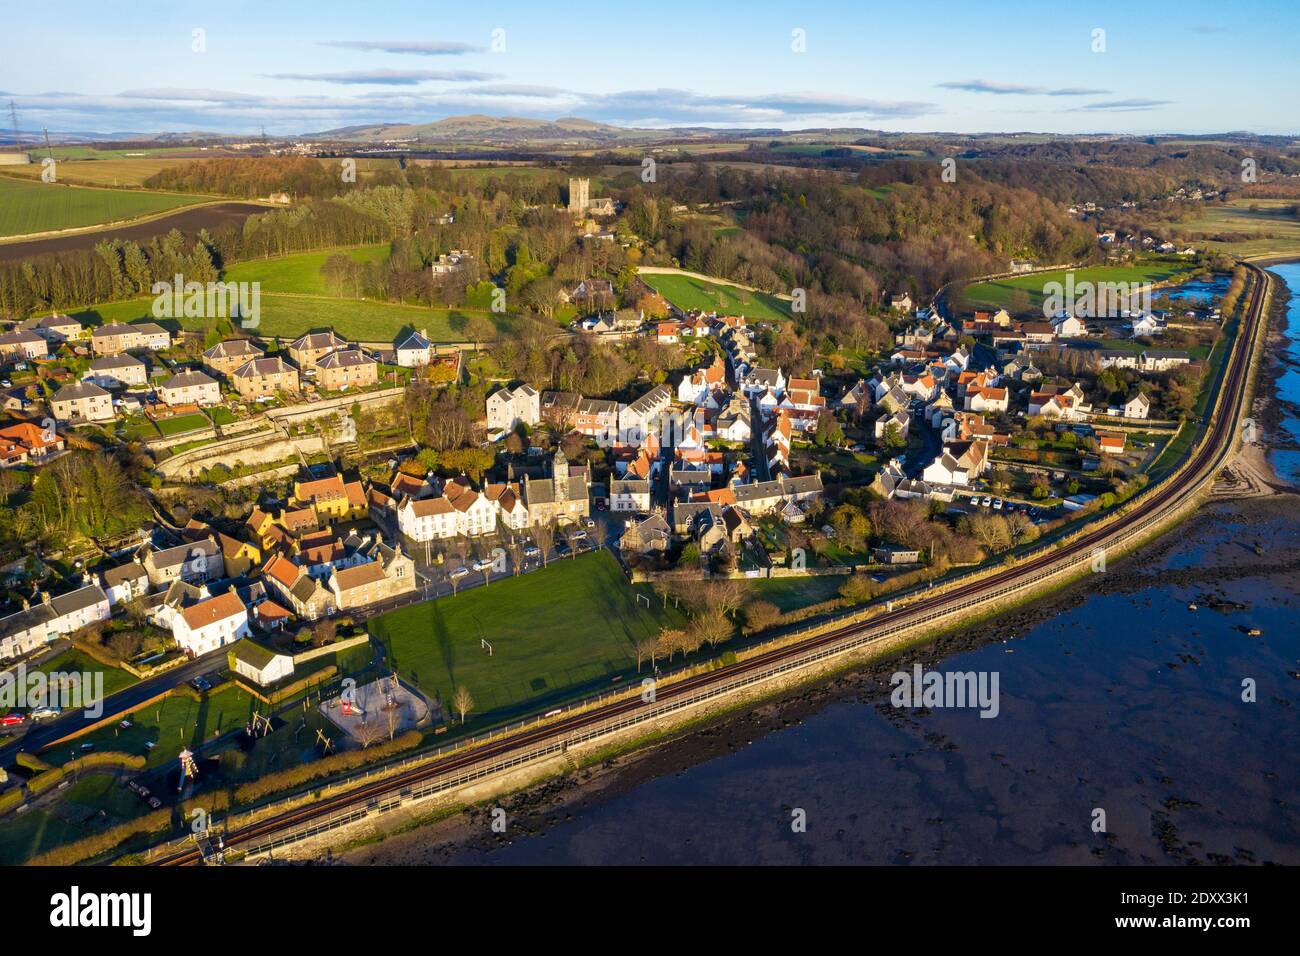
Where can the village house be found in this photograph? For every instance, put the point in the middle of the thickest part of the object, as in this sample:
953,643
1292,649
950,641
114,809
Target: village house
1162,360
648,536
211,624
225,357
757,380
306,350
264,376
195,562
1146,324
347,368
387,574
629,494
332,498
22,345
1068,326
190,387
507,408
668,333
238,558
764,497
125,582
1139,406
414,351
641,417
900,421
122,370
112,339
694,388
40,622
27,443
54,329
590,292
958,464
82,402
258,663
1110,443
298,590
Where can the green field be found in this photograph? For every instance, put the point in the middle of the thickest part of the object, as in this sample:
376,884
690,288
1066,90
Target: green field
74,661
997,294
564,629
98,172
174,722
288,316
1246,227
28,207
687,292
301,273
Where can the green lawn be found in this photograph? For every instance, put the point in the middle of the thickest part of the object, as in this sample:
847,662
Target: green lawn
180,424
688,292
23,836
790,594
567,628
301,273
27,207
74,661
289,316
174,722
997,294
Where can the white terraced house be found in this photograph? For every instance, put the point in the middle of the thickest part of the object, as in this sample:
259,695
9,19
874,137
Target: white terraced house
508,407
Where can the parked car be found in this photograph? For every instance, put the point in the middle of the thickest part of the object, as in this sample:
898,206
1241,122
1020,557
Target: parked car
588,523
201,683
459,573
482,564
45,713
985,501
12,720
532,552
997,504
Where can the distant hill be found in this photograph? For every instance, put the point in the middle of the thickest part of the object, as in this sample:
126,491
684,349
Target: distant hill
493,129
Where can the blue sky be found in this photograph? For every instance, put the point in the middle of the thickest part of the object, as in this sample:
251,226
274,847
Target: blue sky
920,65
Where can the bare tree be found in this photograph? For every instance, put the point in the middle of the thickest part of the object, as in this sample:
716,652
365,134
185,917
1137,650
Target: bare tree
368,733
728,594
515,548
646,648
711,627
544,534
463,702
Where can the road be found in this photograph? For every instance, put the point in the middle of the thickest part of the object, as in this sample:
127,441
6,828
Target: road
1157,503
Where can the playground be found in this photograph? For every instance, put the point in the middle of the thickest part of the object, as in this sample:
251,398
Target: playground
381,709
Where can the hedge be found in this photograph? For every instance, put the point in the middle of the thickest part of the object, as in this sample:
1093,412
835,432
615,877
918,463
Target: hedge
292,776
107,758
45,781
11,799
32,762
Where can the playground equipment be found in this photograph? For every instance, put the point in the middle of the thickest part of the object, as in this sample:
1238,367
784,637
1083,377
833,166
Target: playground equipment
258,725
327,744
189,769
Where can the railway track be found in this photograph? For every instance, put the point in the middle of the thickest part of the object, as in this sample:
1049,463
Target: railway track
1155,504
